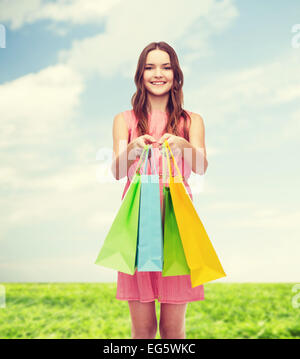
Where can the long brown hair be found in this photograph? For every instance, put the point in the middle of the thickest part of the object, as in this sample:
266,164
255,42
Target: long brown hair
174,106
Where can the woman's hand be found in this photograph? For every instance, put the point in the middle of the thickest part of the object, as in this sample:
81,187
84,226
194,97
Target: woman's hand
176,143
137,145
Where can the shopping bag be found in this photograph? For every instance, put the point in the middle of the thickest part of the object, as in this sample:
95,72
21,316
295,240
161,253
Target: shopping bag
200,254
119,248
174,257
150,234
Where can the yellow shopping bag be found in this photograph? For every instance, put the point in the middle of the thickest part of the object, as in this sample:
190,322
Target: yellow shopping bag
201,257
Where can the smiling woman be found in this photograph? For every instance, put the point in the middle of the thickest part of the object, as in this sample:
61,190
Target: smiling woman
159,82
157,115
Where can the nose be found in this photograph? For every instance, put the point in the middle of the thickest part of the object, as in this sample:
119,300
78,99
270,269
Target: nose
157,72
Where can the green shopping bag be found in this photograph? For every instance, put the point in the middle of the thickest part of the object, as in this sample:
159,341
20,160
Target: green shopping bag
119,248
174,258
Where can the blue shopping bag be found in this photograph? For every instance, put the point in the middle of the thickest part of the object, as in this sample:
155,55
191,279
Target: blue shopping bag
149,256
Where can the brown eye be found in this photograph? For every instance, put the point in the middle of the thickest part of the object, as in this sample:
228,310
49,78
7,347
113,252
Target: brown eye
149,68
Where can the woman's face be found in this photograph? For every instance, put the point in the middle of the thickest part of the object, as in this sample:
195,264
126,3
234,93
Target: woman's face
158,69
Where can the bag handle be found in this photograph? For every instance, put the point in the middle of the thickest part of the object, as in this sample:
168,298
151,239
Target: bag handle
138,167
164,164
147,158
174,162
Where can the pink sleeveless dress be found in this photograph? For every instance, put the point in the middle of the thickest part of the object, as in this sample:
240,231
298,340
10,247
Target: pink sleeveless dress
148,286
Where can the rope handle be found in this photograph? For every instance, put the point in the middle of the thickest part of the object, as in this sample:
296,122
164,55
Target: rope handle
164,163
138,167
147,158
174,162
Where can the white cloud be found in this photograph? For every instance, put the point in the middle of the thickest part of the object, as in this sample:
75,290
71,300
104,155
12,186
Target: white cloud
57,269
261,267
230,205
103,218
72,192
18,13
129,28
76,11
267,218
111,51
37,106
291,127
260,87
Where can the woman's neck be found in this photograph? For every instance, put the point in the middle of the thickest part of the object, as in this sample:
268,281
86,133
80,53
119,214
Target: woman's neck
156,103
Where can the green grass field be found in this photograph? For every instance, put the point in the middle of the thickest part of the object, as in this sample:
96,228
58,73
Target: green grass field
90,310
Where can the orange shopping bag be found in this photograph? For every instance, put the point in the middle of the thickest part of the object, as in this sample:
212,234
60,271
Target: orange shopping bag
201,257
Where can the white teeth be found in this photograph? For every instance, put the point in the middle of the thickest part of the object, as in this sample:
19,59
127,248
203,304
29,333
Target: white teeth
157,83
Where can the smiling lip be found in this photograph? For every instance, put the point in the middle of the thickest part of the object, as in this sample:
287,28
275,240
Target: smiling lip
159,83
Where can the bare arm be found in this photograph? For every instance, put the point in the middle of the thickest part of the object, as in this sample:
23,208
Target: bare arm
125,153
120,147
198,160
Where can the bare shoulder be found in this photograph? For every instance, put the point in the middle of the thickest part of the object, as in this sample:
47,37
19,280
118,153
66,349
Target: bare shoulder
120,128
197,124
196,119
119,122
119,118
197,131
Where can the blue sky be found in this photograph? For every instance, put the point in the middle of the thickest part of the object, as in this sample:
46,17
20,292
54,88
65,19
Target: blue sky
68,69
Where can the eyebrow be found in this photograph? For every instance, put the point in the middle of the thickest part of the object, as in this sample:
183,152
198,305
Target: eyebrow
167,63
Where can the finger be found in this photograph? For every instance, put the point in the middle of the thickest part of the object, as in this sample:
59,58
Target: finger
164,138
138,152
163,144
149,139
